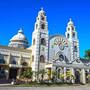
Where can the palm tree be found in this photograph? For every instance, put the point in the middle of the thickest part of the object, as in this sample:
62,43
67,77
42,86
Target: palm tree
87,54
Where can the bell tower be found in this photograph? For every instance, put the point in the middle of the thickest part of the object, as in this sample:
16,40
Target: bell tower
71,35
40,42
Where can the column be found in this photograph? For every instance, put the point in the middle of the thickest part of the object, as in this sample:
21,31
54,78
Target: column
7,73
83,77
19,69
20,58
64,72
19,73
35,75
8,62
72,75
8,59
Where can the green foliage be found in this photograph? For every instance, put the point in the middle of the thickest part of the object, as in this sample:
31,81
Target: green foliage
27,73
39,74
54,73
42,72
87,54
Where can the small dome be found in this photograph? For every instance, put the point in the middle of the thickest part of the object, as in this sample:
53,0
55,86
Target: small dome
19,40
70,22
19,36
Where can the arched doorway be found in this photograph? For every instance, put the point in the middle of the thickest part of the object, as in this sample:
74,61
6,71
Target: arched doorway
60,73
2,73
13,73
77,76
13,70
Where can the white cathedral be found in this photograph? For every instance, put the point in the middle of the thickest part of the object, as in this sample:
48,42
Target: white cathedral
52,53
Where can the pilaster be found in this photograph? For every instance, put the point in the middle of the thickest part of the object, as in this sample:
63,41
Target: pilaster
83,76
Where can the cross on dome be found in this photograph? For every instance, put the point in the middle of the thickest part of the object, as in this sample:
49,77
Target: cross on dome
20,30
70,19
70,22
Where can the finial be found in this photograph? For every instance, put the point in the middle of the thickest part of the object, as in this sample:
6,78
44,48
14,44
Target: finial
70,22
20,30
70,19
41,11
42,8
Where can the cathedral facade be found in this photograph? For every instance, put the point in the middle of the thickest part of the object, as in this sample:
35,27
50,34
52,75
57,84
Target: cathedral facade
55,54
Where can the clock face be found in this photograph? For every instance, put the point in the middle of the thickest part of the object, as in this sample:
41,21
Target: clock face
60,42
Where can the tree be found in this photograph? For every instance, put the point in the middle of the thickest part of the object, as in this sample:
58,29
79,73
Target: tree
87,54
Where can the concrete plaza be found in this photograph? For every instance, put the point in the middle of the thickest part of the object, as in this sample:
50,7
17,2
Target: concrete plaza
81,87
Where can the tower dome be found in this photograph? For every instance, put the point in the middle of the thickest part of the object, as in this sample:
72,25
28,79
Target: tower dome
19,40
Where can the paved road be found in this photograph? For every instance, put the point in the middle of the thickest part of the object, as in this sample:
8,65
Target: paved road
82,87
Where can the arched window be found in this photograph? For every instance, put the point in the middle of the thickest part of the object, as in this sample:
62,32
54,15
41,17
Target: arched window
43,42
73,35
42,59
68,35
13,62
32,58
2,61
33,41
42,17
36,26
72,27
68,29
42,26
75,48
38,18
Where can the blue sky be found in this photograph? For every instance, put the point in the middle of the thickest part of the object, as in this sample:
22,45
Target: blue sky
22,13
